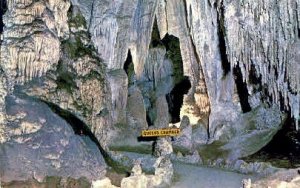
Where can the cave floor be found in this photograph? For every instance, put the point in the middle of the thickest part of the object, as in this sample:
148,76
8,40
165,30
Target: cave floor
188,175
203,177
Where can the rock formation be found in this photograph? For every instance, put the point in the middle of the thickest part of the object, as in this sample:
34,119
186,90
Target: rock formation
226,70
41,144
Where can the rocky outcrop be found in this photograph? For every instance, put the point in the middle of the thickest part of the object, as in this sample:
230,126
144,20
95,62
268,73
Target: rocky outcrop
78,83
283,178
184,141
136,111
228,78
46,54
161,178
119,89
269,33
252,132
210,50
31,38
30,42
41,144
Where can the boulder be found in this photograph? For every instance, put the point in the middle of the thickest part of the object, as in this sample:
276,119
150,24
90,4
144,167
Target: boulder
183,142
42,144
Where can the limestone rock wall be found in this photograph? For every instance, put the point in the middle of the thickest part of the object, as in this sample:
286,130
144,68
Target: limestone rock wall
29,42
42,144
46,58
31,38
265,36
260,38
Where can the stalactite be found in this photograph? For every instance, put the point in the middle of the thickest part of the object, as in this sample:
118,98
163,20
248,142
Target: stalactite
30,48
267,36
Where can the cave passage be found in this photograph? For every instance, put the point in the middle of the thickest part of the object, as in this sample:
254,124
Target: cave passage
175,98
283,150
129,67
80,128
155,36
181,83
241,89
173,52
3,8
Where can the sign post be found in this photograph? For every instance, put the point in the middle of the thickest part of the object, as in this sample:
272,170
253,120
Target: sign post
161,132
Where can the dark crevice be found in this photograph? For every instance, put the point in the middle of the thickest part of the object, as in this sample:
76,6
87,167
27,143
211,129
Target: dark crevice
3,9
146,139
254,79
281,102
129,67
241,89
215,5
290,89
80,128
269,67
172,46
187,16
91,16
128,62
181,82
175,99
266,98
148,119
151,111
299,33
276,72
284,149
222,43
155,36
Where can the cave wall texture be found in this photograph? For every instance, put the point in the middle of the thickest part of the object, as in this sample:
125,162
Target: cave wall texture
238,55
259,39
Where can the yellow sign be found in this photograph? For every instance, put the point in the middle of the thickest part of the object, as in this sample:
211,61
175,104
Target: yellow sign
161,132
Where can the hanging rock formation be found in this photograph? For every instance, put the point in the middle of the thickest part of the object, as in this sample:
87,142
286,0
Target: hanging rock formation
212,53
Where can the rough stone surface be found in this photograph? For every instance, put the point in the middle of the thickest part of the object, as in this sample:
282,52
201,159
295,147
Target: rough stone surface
118,84
78,84
199,134
42,144
190,159
32,32
163,147
252,132
161,178
136,110
184,140
202,27
283,178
